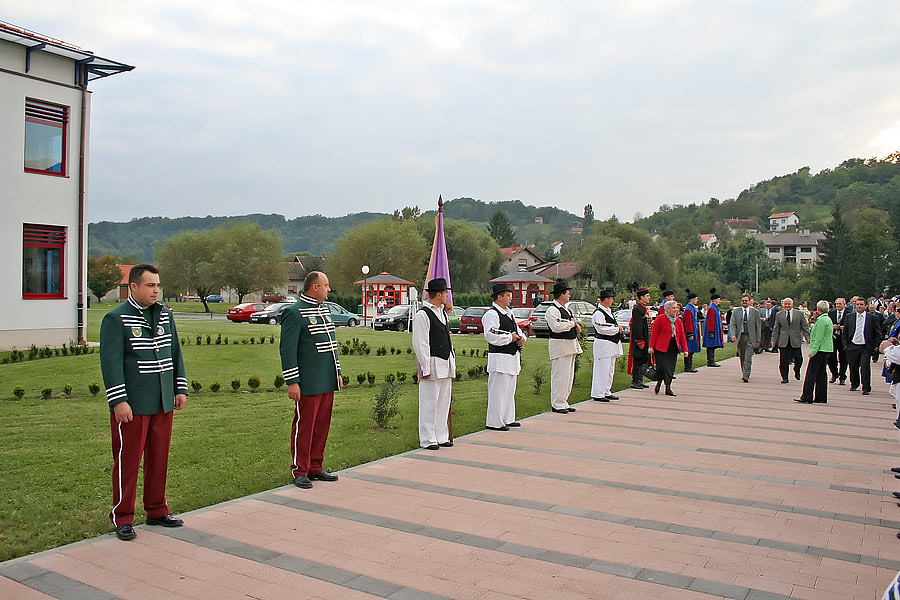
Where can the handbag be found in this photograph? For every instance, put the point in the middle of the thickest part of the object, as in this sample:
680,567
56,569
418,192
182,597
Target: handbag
649,371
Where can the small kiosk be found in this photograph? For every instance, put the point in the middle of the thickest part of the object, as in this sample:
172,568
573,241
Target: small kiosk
529,289
393,290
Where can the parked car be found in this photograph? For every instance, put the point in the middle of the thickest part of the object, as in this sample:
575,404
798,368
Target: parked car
524,319
342,316
215,298
396,318
623,318
454,316
470,322
241,312
580,309
271,314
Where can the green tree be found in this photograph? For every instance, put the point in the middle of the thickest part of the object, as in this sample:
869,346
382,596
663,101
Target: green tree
622,253
409,213
835,267
103,275
248,259
386,245
473,255
187,263
588,223
501,229
682,236
875,248
740,258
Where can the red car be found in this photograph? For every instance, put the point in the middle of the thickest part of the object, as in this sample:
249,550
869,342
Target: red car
470,321
524,319
242,312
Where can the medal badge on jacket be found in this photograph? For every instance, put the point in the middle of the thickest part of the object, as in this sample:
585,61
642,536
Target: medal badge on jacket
160,330
136,331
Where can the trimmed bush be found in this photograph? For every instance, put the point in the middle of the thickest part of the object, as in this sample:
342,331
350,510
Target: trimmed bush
271,339
254,382
235,385
208,340
94,389
390,378
345,379
385,406
196,386
370,377
46,393
360,378
18,392
67,390
401,376
279,382
215,387
538,379
219,339
199,340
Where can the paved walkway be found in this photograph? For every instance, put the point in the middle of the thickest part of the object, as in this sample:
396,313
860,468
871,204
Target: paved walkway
727,491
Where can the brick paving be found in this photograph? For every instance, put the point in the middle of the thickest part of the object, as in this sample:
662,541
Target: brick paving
729,490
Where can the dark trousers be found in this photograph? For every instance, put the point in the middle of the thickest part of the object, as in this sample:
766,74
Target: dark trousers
689,361
837,363
309,431
710,355
665,365
788,354
147,437
636,364
766,342
815,385
860,361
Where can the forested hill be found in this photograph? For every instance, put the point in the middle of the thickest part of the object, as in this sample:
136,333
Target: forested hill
855,183
313,234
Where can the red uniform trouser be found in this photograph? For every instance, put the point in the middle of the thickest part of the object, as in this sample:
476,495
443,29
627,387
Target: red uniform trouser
309,431
146,436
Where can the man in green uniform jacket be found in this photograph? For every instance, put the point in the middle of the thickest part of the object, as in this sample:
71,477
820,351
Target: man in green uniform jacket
143,372
310,363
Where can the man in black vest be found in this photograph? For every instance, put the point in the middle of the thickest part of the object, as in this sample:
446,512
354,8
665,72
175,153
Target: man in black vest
564,348
505,340
607,347
437,365
837,360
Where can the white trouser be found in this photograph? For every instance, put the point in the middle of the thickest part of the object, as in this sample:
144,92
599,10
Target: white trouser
562,375
501,406
434,407
604,370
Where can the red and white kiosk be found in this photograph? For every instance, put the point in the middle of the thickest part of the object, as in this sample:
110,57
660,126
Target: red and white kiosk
393,290
529,289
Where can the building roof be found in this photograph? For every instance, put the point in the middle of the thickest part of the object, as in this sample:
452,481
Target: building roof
302,265
791,238
383,277
781,215
125,270
705,237
508,253
522,276
556,270
740,223
89,66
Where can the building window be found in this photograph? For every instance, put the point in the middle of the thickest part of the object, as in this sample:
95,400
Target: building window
806,249
292,289
43,261
523,262
46,128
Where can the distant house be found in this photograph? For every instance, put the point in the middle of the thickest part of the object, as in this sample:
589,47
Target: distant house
45,110
518,258
577,229
539,220
299,268
709,240
120,292
735,225
556,270
799,247
556,248
783,221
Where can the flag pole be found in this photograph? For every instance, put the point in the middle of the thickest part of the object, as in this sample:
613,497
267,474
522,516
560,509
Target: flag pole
449,412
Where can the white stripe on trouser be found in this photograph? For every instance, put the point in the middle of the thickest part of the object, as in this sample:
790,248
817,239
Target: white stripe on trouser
562,375
604,370
118,476
434,407
501,405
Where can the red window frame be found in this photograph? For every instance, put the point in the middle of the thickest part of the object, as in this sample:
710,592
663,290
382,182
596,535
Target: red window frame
46,236
54,115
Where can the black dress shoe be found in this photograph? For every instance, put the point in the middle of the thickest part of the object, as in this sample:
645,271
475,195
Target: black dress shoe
802,401
797,375
432,447
562,411
865,393
447,444
506,428
895,469
166,521
514,424
303,482
610,397
324,476
691,370
842,382
125,532
896,494
644,386
820,401
603,399
658,385
637,386
784,381
832,380
745,380
571,409
853,389
713,364
670,393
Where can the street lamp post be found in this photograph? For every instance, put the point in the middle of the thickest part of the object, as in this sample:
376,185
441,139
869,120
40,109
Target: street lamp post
365,305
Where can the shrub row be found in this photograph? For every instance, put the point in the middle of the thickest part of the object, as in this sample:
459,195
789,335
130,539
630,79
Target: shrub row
34,353
220,340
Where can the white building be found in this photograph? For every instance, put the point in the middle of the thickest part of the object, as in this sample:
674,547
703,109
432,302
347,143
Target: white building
709,240
800,247
45,109
783,221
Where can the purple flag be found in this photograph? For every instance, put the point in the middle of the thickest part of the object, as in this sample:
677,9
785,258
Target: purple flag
438,266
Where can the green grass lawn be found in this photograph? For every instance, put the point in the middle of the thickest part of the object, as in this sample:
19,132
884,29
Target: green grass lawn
55,470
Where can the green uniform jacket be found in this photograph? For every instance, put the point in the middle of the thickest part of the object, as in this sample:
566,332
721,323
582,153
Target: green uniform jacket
821,338
308,347
141,361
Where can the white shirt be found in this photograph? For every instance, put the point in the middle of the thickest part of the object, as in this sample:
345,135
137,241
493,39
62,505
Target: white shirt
605,348
421,326
499,362
559,348
859,336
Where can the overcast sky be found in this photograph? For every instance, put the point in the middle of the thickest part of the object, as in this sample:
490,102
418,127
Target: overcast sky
337,106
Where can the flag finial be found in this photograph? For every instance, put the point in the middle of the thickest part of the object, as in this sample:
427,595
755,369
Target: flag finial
440,203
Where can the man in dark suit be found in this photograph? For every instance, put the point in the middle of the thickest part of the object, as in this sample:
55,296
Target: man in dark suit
861,335
837,360
768,315
790,330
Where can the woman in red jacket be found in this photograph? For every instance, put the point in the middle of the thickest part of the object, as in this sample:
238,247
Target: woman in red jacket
666,341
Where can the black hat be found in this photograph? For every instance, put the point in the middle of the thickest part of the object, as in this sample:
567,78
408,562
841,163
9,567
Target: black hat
664,289
713,295
560,287
499,288
690,294
438,284
606,293
640,291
